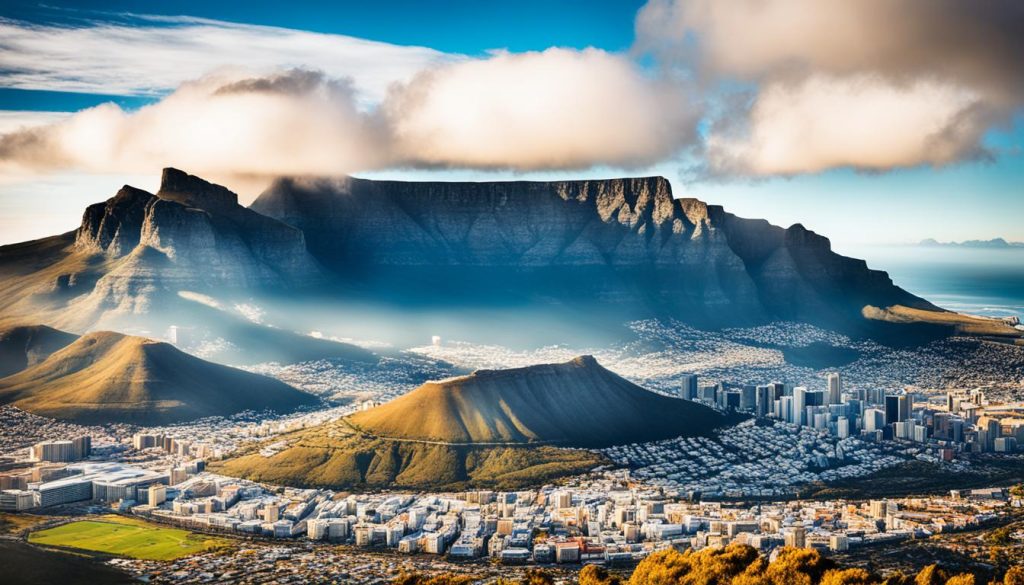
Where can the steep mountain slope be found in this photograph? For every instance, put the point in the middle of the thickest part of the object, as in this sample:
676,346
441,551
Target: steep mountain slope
578,403
28,345
107,377
624,242
138,248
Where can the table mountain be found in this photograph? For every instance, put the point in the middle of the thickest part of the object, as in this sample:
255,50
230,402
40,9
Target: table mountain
624,242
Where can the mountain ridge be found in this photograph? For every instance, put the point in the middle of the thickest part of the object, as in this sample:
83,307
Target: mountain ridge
626,242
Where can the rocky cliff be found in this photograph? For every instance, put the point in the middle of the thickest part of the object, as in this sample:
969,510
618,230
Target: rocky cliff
190,235
625,242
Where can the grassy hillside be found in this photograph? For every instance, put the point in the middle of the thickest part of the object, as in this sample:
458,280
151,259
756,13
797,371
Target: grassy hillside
108,377
578,403
27,345
333,456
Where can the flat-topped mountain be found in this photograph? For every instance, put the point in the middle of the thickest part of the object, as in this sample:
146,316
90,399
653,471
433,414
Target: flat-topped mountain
614,250
27,345
624,242
577,403
106,377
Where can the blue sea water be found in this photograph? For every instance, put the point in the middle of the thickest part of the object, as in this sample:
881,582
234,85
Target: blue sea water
979,281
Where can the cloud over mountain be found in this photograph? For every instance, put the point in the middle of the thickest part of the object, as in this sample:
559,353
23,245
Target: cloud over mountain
540,110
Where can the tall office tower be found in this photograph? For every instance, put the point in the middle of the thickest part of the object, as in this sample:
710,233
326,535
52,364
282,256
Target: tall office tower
688,390
778,390
748,398
835,388
764,400
892,409
874,419
786,409
799,404
876,396
905,405
843,427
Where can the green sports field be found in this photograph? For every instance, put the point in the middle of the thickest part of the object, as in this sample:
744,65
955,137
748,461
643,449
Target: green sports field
127,537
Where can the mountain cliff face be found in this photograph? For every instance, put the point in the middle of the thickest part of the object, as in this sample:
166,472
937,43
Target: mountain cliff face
626,242
138,247
619,248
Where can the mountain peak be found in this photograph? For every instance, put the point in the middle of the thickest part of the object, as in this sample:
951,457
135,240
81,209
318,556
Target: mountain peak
190,190
578,403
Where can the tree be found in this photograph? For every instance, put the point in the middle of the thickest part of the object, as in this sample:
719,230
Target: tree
1015,576
961,579
847,577
931,575
595,575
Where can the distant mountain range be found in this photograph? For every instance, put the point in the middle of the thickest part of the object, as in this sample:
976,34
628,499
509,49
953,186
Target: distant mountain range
106,377
994,243
491,428
618,248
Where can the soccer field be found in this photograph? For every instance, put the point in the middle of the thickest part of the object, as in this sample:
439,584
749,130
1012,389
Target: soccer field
127,537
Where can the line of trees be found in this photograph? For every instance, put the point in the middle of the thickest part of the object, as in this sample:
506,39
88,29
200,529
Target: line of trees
736,564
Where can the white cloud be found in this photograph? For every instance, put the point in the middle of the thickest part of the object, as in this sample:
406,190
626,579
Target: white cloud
549,110
862,122
868,84
152,56
541,110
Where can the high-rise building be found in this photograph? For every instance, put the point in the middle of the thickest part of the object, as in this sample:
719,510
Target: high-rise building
748,398
835,388
892,409
843,427
688,388
763,400
874,419
905,405
799,405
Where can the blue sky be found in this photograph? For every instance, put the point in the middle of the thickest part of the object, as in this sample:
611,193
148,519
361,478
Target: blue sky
964,198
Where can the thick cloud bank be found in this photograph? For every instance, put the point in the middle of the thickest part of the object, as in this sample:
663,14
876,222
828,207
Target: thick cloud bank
869,84
549,110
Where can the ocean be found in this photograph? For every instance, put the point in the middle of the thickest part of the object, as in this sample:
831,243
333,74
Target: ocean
979,281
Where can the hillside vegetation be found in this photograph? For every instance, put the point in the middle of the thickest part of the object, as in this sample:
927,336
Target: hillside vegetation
332,456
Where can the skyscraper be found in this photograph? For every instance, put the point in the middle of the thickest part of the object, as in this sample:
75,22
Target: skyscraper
799,405
688,389
905,403
764,400
892,409
835,388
